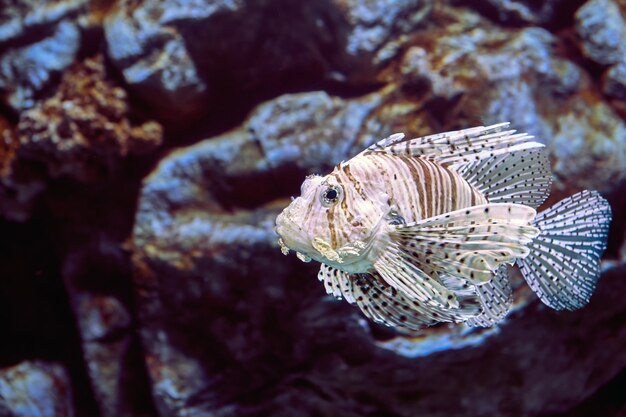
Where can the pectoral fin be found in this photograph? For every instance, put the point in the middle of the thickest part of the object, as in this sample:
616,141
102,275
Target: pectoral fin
336,282
401,273
385,304
470,243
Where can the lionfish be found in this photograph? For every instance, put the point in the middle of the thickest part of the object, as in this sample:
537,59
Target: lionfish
420,231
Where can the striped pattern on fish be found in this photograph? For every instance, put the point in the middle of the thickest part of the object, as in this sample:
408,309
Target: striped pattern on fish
417,187
419,231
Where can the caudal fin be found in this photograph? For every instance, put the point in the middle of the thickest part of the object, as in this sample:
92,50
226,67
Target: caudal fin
564,261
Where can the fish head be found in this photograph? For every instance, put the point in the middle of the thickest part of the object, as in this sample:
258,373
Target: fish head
330,223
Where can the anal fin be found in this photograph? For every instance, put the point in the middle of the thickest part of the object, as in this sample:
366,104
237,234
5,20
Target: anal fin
496,297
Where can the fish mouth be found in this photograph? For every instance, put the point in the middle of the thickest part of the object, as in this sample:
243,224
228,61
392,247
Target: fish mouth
291,236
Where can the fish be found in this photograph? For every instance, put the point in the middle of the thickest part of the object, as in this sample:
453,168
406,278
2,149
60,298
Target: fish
423,231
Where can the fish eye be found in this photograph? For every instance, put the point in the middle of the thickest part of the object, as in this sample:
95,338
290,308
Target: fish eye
331,195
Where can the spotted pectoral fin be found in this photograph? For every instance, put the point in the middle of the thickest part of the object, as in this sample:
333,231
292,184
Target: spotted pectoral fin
436,301
404,275
336,282
385,304
470,243
458,147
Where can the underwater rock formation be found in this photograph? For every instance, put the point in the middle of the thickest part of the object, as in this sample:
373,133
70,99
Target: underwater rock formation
40,41
94,277
521,79
146,148
602,30
35,389
84,130
516,12
179,56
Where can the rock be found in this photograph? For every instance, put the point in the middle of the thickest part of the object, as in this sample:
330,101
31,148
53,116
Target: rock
20,17
601,28
178,56
287,128
478,74
35,389
589,146
41,41
153,57
377,26
84,130
544,13
96,277
27,71
614,81
18,188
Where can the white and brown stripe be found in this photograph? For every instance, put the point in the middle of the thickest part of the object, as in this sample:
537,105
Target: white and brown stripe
418,188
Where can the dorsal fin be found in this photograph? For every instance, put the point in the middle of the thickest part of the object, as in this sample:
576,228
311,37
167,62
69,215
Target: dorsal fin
457,147
520,177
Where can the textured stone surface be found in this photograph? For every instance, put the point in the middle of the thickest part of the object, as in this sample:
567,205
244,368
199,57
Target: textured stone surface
614,83
84,130
17,189
153,57
191,310
601,27
35,389
176,54
19,17
28,70
40,40
477,74
523,11
96,276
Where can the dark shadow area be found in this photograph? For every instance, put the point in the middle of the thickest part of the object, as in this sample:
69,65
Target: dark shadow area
552,15
37,322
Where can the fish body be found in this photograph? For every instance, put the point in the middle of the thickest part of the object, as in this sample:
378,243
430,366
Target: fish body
420,231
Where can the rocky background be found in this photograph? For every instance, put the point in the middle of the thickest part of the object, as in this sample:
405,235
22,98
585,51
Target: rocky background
147,147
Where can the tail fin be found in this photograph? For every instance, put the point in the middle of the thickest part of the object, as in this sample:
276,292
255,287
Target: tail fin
564,261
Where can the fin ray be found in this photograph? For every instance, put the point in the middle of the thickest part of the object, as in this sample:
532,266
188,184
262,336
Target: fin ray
385,304
564,263
521,177
336,282
496,297
472,242
457,147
